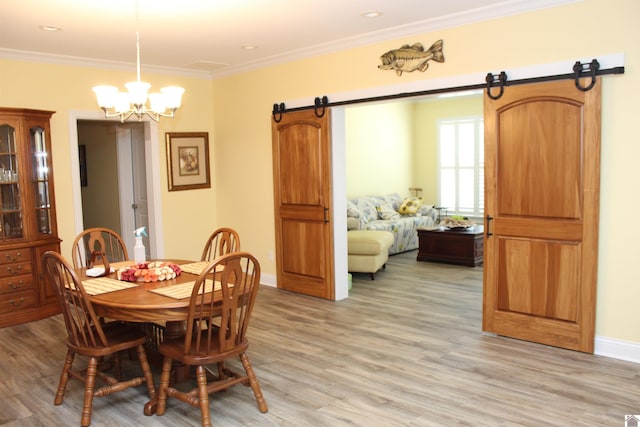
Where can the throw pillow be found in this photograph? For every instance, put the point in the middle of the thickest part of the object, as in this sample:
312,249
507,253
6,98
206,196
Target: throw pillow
410,205
424,210
386,211
352,210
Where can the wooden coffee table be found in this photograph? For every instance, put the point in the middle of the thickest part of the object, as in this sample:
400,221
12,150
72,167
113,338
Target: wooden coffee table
462,247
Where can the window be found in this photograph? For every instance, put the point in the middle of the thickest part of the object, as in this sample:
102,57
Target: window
461,144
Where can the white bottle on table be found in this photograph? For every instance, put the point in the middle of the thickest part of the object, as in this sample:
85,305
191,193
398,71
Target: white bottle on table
139,251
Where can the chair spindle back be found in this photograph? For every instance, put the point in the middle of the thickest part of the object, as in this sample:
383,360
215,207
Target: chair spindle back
98,239
221,242
237,275
83,326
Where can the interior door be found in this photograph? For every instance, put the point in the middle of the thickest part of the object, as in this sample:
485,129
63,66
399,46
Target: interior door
542,173
132,184
302,200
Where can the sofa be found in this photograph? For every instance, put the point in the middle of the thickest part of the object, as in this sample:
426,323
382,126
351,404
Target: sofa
401,216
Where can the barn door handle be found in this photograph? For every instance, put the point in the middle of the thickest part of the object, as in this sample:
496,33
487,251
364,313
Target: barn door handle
487,227
326,215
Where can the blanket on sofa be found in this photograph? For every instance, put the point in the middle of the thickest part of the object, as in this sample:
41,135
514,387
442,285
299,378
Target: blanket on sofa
401,216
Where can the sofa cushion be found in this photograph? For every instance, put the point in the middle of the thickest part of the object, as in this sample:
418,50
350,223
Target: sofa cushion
425,210
386,211
367,208
352,210
354,223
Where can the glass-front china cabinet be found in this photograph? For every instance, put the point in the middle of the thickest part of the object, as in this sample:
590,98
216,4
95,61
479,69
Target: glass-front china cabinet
27,215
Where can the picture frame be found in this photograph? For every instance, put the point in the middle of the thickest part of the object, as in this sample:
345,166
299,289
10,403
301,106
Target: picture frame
187,160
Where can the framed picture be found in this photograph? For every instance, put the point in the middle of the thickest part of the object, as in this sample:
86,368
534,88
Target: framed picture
187,160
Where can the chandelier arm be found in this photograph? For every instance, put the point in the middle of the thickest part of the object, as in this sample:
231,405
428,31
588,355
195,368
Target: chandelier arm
108,114
153,115
126,115
171,114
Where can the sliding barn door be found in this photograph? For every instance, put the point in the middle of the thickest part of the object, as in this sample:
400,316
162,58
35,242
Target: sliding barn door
542,176
302,199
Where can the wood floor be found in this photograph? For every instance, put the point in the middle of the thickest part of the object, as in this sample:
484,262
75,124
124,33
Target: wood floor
406,349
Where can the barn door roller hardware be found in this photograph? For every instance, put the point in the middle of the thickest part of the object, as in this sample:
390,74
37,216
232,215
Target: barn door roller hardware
582,70
278,109
499,80
320,103
502,80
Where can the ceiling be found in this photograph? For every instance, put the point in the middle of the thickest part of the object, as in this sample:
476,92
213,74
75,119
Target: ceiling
206,37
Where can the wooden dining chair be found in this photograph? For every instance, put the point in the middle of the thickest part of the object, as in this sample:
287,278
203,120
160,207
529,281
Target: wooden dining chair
222,241
229,309
87,336
98,239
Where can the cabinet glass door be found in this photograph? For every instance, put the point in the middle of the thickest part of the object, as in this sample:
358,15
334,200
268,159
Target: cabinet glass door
10,202
41,180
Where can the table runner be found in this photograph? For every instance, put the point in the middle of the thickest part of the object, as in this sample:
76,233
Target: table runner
183,290
104,284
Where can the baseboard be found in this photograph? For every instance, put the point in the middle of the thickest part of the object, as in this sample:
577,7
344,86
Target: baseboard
268,280
617,349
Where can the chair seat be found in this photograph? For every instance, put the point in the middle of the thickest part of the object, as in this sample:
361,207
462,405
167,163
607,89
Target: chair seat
120,336
175,350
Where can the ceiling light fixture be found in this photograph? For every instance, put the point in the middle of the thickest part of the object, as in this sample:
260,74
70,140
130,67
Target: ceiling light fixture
133,102
50,28
370,14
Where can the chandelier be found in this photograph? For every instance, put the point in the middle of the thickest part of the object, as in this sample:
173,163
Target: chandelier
133,103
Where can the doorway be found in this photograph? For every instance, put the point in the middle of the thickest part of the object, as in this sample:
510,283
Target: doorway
147,149
112,177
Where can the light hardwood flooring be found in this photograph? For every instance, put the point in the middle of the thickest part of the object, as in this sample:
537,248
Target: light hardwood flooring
406,349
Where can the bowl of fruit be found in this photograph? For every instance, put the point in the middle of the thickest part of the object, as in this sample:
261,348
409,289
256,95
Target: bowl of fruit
457,222
154,271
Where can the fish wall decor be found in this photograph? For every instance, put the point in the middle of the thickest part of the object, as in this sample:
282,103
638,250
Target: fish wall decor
411,58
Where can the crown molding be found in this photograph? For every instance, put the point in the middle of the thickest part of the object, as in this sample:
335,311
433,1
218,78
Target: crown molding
499,10
23,55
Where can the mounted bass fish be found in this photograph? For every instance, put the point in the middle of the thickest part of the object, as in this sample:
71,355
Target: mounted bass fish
411,58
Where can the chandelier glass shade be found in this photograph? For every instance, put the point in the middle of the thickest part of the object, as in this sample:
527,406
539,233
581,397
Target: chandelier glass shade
133,103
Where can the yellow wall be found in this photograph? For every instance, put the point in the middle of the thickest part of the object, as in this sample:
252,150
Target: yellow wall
379,143
237,117
426,117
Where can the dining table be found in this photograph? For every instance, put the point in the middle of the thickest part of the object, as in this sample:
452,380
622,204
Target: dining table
156,303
